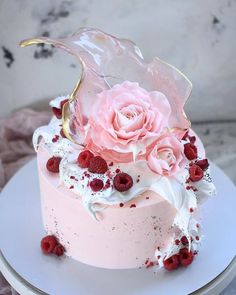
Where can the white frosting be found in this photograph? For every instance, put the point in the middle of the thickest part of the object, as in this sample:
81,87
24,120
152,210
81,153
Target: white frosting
172,189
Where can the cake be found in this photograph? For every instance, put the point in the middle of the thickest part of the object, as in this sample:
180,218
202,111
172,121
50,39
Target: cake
122,175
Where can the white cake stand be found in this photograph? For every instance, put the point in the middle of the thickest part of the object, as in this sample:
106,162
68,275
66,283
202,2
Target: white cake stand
31,272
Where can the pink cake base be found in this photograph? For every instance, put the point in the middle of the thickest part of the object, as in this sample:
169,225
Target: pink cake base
124,237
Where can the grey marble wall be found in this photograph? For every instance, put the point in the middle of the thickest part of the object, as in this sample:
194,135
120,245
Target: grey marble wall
199,37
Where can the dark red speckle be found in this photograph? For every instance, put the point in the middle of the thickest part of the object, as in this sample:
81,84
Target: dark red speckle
177,241
55,138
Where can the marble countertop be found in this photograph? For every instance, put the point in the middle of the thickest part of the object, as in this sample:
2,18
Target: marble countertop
219,139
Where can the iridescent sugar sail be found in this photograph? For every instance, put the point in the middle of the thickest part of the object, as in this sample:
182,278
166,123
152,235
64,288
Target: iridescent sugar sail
106,61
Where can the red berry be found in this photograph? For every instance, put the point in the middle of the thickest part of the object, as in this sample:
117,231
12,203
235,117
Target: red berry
184,240
59,250
123,182
190,151
204,164
98,165
96,184
185,257
48,244
53,164
195,173
192,139
84,159
57,112
171,263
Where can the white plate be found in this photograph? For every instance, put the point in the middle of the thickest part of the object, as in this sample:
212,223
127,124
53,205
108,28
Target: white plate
21,231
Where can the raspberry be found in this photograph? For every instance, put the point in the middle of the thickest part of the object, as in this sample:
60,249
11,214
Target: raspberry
192,139
53,164
59,250
98,165
96,184
48,244
123,182
184,240
190,151
58,112
203,164
185,257
84,159
195,173
171,263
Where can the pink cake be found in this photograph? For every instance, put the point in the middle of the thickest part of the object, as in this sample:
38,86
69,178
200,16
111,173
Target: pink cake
121,173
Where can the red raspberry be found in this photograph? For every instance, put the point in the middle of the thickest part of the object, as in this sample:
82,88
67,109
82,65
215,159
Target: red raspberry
195,173
59,250
190,151
192,139
185,257
58,112
98,165
184,240
96,184
204,164
171,263
53,164
84,159
48,244
123,182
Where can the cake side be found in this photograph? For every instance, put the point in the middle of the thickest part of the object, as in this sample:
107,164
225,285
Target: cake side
124,237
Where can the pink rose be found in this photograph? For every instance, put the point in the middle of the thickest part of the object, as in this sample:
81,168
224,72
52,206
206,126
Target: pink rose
127,118
167,156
